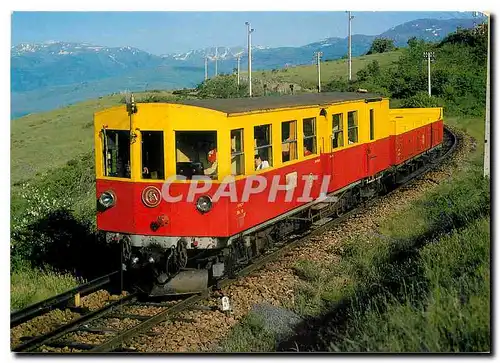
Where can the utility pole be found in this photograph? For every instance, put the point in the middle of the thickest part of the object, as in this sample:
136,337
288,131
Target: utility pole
206,67
349,53
238,58
487,147
429,56
250,31
318,64
216,61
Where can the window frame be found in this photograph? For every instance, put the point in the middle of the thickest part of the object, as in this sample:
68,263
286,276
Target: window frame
267,146
162,154
313,136
354,127
340,130
105,170
294,141
198,162
240,153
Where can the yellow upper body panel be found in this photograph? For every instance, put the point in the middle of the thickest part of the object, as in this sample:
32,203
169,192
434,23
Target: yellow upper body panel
371,119
407,119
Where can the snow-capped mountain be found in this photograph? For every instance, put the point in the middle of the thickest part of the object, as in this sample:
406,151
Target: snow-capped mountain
427,29
222,53
63,48
58,63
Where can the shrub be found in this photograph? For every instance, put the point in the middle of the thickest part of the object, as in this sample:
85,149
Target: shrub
421,100
381,45
221,87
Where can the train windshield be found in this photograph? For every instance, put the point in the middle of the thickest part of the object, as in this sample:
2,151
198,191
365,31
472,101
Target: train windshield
116,153
196,153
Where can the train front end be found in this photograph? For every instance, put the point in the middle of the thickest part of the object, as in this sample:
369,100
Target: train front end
172,236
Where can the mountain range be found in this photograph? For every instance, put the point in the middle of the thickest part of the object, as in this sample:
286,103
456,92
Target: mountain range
55,74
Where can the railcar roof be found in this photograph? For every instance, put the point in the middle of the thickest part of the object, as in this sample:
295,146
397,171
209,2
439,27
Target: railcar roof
240,105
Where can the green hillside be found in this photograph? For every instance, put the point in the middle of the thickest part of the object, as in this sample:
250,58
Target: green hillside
307,76
44,141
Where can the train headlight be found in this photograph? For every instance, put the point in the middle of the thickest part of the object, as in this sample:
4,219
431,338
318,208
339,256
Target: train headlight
204,204
107,199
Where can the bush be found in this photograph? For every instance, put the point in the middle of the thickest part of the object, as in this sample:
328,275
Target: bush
381,45
421,100
68,190
222,87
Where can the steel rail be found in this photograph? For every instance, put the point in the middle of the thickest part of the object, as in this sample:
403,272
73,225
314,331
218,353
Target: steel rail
21,316
62,330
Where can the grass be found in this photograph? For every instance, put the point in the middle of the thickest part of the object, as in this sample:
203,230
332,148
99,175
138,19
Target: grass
307,77
442,307
249,336
29,286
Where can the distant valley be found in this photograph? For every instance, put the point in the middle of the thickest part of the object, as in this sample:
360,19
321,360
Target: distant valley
51,75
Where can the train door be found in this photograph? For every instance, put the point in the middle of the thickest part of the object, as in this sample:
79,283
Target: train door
337,141
371,150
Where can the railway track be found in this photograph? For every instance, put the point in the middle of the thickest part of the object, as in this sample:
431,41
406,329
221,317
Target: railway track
137,314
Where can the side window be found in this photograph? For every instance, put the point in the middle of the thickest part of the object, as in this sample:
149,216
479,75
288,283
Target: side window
372,124
116,149
288,141
337,130
196,153
352,127
152,155
309,127
263,148
237,153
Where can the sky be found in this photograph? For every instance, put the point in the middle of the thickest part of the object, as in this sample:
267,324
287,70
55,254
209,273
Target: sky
172,32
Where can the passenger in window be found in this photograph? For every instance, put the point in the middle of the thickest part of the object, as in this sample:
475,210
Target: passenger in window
212,158
145,173
306,151
260,164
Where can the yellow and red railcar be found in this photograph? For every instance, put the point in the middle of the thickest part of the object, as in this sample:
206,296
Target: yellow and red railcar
271,162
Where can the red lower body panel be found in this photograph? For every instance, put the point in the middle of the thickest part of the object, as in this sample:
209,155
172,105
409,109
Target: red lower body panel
229,217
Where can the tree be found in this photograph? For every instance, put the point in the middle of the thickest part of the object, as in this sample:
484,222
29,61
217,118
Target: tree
221,87
381,45
412,42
